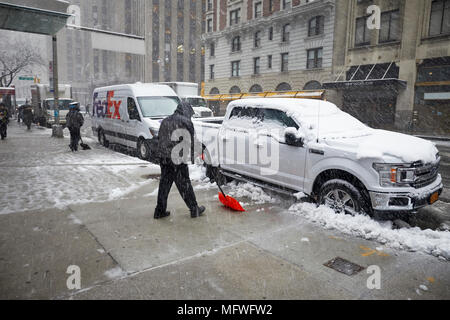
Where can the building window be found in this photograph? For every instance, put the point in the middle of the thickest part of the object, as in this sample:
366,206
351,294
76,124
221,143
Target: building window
314,58
211,72
284,62
235,90
256,65
235,68
269,61
257,42
390,30
209,26
270,5
286,4
315,26
210,5
236,44
256,88
440,17
285,33
212,50
235,16
271,33
362,35
258,9
283,87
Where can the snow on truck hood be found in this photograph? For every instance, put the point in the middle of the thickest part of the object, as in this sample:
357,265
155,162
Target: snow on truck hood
383,145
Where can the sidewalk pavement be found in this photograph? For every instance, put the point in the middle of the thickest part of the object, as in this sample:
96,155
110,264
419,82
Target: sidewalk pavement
123,253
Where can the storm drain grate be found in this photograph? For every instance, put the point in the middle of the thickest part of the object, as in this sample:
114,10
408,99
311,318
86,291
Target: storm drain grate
344,266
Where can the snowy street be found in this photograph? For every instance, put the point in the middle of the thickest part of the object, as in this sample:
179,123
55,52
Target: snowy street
94,209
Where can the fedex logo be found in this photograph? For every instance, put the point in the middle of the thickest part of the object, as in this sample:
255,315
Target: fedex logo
108,108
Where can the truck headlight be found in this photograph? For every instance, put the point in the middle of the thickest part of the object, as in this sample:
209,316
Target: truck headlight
395,175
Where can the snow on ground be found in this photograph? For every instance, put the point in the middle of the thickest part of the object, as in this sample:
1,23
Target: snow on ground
436,243
254,193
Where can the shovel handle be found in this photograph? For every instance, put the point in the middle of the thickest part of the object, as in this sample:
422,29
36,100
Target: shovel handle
217,182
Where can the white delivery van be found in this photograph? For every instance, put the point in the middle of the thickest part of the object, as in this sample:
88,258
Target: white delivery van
131,114
188,92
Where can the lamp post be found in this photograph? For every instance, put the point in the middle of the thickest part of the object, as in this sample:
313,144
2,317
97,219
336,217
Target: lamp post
57,130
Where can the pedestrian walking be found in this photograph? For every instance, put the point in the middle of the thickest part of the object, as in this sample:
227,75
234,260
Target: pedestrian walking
4,120
74,121
173,168
27,115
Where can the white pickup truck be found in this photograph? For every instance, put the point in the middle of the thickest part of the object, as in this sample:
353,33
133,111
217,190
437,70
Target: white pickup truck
311,146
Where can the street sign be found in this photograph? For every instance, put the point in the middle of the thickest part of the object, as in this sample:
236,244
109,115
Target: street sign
27,78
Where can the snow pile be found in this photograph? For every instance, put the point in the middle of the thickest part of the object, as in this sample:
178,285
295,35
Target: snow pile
436,243
385,143
248,190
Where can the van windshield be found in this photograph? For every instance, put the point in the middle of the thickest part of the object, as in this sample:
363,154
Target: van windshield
196,102
158,107
62,103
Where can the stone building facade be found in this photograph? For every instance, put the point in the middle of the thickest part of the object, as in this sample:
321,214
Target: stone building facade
398,76
265,45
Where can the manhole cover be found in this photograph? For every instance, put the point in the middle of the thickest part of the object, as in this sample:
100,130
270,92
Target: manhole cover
344,266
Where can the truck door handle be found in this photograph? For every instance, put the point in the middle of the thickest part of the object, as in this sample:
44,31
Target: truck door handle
258,145
225,139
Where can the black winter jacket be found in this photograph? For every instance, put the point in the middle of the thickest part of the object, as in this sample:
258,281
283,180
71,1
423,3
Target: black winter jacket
180,119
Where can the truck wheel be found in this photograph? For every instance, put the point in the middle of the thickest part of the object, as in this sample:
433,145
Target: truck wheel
213,173
143,150
102,139
342,197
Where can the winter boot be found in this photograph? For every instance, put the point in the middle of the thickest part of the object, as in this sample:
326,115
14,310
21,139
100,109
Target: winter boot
161,215
197,212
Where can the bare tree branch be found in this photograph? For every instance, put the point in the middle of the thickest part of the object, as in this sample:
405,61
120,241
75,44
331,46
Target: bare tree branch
20,57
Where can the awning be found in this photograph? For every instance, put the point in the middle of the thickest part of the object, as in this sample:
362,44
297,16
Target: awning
314,94
390,83
32,20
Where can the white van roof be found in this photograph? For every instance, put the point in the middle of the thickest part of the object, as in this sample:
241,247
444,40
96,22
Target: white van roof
142,89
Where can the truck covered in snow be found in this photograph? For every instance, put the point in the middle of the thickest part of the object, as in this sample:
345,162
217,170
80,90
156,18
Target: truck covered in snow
42,100
313,148
188,92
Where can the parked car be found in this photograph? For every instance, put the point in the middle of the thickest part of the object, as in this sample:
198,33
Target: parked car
311,146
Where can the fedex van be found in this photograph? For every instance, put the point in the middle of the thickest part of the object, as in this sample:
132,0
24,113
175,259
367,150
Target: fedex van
130,114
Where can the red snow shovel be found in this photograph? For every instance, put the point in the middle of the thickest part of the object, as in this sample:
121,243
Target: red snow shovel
228,201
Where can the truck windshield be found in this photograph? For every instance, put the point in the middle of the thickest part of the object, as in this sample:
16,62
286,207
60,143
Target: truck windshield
196,102
158,107
63,104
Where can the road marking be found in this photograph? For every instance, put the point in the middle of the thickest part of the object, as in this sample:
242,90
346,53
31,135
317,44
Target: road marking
368,252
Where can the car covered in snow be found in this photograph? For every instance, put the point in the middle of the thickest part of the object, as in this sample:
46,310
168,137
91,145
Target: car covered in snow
312,147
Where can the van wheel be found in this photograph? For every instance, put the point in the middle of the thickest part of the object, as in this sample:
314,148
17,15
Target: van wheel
341,196
143,150
102,139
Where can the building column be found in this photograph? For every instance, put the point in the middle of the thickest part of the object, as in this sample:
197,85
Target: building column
408,67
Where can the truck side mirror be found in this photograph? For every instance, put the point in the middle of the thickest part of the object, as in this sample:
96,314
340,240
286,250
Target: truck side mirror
292,140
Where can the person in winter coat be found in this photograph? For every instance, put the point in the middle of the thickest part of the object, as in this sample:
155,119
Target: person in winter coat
4,120
74,121
173,162
27,115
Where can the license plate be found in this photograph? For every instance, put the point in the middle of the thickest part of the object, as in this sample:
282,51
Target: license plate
434,197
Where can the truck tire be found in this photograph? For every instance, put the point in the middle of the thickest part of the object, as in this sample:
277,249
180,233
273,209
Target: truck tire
342,197
102,139
213,173
143,150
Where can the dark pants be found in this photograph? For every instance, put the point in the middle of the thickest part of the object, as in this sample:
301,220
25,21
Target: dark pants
3,128
75,137
179,174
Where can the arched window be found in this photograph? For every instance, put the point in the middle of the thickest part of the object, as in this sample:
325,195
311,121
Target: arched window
236,44
256,88
214,91
315,26
235,89
312,85
283,87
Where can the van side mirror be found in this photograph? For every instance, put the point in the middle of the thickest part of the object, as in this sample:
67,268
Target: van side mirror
292,140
